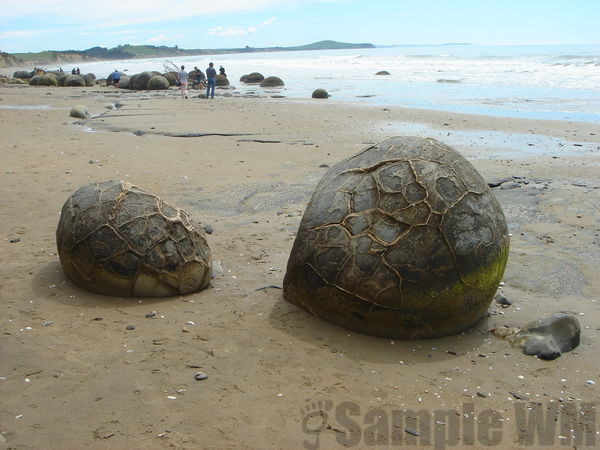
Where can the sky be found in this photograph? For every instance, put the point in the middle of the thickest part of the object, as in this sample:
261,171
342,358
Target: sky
38,25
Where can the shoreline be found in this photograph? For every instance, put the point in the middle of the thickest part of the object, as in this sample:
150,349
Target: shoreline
92,382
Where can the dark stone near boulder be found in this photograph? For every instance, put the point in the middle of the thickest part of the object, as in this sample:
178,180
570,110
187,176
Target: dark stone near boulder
74,80
320,93
157,83
502,300
141,81
252,78
403,239
551,336
272,82
383,72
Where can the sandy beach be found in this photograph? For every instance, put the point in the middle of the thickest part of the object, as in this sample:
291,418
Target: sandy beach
73,376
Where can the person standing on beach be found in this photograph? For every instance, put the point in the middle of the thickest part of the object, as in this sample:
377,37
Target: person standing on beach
211,81
182,76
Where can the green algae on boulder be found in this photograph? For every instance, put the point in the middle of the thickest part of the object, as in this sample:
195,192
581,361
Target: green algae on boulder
117,239
404,240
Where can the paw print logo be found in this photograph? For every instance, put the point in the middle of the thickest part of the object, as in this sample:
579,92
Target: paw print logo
314,420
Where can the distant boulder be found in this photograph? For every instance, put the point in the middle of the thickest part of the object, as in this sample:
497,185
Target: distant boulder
252,78
124,82
89,80
320,93
171,77
158,83
141,81
22,74
48,79
132,79
79,112
222,80
383,72
61,79
74,80
272,82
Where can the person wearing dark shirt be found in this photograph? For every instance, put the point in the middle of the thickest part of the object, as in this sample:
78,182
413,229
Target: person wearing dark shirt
211,81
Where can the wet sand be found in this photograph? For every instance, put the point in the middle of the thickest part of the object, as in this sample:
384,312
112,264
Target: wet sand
72,375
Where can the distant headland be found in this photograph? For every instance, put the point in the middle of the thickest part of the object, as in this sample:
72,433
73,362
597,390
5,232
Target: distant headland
151,51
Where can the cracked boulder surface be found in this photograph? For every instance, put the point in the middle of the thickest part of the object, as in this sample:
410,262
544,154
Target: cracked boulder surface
404,240
117,239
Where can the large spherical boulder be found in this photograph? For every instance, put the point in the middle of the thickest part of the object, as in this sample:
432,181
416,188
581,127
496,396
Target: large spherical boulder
252,78
79,112
221,80
141,81
74,80
157,83
272,82
320,93
404,240
117,239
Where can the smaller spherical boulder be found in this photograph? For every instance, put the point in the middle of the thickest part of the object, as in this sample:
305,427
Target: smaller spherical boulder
79,112
272,82
158,83
74,80
117,239
320,93
252,78
383,72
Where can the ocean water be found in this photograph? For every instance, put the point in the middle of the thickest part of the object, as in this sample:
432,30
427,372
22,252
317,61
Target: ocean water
533,81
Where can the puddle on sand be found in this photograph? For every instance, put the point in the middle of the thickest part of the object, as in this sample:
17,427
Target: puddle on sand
497,144
27,107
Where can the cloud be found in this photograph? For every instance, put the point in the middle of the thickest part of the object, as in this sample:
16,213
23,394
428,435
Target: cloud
94,14
220,31
161,38
19,34
268,22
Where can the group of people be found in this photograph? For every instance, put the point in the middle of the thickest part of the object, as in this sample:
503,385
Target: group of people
199,78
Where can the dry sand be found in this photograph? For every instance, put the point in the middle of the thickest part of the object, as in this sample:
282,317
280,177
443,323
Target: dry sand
72,376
